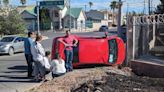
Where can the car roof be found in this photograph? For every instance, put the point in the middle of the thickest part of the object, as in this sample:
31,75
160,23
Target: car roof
11,36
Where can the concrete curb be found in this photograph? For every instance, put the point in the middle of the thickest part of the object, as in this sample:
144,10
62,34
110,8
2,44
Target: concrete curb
144,68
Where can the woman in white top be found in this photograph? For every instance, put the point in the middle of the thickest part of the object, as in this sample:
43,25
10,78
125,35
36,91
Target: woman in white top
38,54
58,67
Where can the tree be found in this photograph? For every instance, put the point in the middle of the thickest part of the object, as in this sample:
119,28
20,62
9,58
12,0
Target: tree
113,6
23,2
6,2
90,4
12,23
45,18
160,8
2,21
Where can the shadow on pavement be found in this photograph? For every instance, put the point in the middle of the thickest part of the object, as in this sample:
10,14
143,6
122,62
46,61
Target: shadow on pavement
15,74
18,67
16,71
16,78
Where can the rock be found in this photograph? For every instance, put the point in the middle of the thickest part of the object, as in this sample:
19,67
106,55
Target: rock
90,86
98,89
99,82
136,89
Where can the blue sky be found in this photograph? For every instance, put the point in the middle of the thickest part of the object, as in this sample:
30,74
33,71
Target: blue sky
134,5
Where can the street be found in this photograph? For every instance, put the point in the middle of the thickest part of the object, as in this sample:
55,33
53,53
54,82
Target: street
13,69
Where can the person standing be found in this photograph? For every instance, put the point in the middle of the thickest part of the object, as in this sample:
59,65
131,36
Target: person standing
69,41
27,50
38,54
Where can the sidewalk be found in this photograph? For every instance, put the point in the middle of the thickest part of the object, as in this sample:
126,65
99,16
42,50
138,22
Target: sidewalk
13,77
72,30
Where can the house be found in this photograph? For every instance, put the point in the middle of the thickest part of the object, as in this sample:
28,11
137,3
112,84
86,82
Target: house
29,16
77,17
94,16
97,18
58,17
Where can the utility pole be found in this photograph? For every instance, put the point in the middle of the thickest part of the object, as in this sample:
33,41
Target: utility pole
38,21
0,3
85,13
144,8
70,15
149,7
119,19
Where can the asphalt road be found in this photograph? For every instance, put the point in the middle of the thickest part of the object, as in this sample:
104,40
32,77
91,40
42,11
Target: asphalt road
13,69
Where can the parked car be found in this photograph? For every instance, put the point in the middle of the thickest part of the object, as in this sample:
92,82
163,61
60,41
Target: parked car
103,28
93,51
11,44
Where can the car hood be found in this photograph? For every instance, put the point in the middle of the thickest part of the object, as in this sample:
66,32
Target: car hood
4,43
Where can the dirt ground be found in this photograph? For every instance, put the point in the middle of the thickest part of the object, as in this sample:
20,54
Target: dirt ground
102,79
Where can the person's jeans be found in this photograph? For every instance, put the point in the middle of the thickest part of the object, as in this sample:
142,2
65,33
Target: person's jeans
29,60
68,60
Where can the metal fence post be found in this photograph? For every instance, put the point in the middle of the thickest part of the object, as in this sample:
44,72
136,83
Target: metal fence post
134,25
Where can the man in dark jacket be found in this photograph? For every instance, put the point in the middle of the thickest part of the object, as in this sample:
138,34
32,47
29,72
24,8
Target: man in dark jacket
27,50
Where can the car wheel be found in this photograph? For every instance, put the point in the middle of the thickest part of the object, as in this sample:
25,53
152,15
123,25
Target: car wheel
11,51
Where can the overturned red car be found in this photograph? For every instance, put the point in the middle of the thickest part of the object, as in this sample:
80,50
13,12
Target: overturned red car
93,51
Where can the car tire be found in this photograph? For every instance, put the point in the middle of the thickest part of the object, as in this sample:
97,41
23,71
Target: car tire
11,51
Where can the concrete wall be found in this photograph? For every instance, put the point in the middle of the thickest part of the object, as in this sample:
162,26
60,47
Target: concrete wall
96,26
104,22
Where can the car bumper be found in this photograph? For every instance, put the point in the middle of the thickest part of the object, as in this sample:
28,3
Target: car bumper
3,51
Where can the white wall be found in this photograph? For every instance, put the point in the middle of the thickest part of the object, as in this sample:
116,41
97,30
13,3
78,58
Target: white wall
104,22
64,11
81,18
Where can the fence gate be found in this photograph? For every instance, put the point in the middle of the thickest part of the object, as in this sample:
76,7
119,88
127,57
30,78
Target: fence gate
145,36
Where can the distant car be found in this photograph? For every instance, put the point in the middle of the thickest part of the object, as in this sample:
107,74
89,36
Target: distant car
11,44
93,51
103,28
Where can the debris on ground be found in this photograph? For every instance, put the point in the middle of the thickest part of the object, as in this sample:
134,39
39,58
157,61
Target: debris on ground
102,79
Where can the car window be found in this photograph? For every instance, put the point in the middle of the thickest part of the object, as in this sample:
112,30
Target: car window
16,40
7,39
19,39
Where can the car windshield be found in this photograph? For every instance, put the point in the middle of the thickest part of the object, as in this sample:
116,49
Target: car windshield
113,51
7,39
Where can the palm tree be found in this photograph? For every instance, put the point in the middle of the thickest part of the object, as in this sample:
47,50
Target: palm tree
90,4
6,2
23,2
113,6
